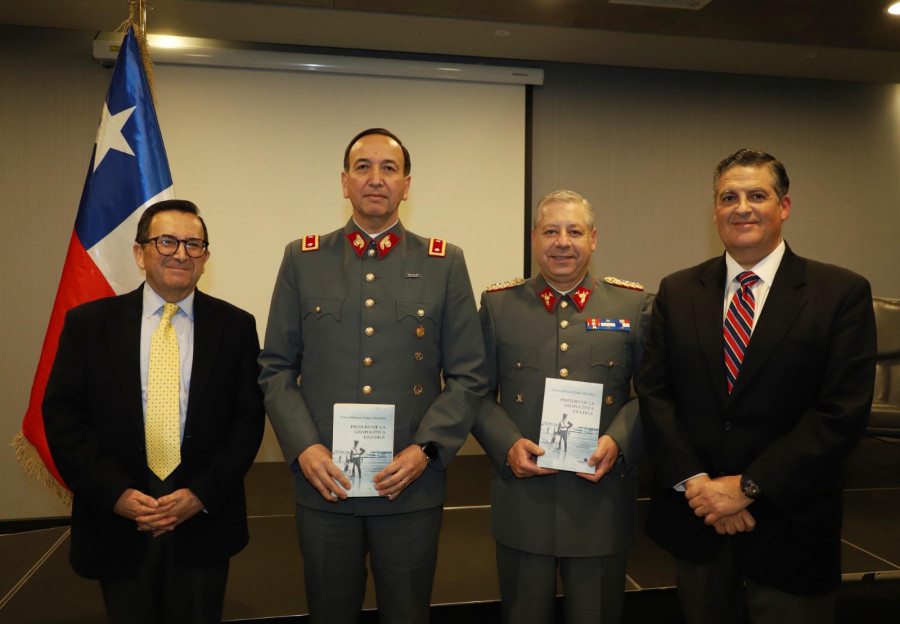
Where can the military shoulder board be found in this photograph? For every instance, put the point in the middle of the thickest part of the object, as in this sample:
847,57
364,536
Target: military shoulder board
615,281
311,242
505,285
437,248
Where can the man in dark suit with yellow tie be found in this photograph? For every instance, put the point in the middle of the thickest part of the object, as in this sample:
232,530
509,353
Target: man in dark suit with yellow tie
153,416
755,385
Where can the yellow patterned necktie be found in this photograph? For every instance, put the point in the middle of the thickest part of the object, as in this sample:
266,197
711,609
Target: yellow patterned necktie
162,429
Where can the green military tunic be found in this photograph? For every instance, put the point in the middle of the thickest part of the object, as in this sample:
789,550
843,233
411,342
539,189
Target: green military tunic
532,333
362,321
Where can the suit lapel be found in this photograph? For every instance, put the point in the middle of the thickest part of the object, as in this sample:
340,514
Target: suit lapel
785,300
124,329
707,305
208,330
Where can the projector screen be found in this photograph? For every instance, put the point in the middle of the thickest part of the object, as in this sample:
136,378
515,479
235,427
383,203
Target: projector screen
261,152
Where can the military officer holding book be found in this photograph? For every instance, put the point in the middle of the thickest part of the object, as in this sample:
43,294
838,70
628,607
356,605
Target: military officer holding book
562,324
372,314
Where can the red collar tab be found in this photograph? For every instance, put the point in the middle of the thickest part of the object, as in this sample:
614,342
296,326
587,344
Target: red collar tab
311,242
358,242
580,297
548,298
387,244
437,248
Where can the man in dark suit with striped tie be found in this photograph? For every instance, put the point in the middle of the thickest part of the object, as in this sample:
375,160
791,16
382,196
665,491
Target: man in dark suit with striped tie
755,385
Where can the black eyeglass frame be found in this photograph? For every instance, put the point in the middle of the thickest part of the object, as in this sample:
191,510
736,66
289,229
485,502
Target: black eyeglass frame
178,241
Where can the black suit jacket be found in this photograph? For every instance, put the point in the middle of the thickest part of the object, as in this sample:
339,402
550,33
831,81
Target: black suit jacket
94,424
799,405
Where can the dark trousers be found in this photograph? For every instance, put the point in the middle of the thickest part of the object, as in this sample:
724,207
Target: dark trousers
717,593
164,592
402,551
593,587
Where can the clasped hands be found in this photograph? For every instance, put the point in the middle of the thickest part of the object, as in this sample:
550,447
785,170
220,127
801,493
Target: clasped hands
522,459
319,469
721,503
158,515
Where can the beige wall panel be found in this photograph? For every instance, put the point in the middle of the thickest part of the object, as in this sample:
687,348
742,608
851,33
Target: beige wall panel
642,145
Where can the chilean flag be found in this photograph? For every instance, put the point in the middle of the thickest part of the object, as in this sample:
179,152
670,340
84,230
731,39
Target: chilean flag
128,172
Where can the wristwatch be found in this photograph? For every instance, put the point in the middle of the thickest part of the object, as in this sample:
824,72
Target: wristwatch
430,450
749,487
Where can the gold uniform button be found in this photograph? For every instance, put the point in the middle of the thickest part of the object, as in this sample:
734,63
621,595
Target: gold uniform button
564,347
370,277
609,399
367,389
318,309
371,253
417,390
419,355
420,332
518,364
420,312
367,361
564,372
370,331
370,303
520,398
564,304
564,324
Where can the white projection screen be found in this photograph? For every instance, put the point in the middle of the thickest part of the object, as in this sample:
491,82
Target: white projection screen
260,152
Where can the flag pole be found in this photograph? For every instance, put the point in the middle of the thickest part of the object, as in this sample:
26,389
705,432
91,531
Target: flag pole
137,21
142,17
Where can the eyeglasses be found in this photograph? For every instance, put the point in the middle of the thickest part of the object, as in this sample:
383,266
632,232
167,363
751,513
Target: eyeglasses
168,245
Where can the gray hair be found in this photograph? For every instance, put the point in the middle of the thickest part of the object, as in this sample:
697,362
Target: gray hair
563,196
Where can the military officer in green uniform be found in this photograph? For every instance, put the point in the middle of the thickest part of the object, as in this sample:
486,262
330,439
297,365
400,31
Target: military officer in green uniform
566,324
372,313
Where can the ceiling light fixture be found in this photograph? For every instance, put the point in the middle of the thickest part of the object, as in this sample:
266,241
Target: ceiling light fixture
212,53
894,9
693,5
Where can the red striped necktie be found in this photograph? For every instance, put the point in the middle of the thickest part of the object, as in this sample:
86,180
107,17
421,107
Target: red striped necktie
738,325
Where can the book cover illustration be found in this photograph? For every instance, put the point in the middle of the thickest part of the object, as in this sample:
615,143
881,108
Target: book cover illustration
363,443
570,424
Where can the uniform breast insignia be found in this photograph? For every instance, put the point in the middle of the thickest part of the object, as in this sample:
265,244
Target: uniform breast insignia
505,285
437,248
622,325
311,242
615,281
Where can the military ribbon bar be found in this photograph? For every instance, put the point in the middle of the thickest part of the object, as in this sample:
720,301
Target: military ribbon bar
622,325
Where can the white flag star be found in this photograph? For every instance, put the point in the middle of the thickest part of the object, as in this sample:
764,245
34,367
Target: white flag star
109,135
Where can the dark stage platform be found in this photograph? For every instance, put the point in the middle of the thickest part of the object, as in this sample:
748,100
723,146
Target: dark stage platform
266,583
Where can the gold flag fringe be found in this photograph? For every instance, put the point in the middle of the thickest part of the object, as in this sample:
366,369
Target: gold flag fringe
34,466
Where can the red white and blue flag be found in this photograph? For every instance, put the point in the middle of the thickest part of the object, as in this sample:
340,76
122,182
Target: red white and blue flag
128,172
